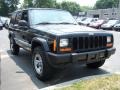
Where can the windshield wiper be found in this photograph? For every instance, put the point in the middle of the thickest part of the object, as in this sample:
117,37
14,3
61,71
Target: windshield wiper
43,23
67,23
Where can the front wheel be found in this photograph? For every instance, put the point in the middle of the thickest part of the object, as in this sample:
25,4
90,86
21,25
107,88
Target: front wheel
41,67
14,47
96,64
1,28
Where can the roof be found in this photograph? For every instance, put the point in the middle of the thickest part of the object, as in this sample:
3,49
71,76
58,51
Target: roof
40,9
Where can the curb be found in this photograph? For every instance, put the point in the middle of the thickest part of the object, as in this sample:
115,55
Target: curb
69,83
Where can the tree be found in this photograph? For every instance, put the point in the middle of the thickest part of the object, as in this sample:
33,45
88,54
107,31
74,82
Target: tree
45,3
27,4
103,4
86,8
4,9
72,7
8,6
12,5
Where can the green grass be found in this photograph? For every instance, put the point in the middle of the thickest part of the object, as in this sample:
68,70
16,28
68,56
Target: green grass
102,83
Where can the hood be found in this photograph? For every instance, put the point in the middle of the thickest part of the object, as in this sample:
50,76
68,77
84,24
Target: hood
94,24
85,23
107,25
117,25
64,29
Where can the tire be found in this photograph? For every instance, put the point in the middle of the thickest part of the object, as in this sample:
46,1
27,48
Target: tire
42,69
14,47
96,64
1,28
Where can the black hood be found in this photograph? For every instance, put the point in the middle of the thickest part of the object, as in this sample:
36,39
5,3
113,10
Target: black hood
65,29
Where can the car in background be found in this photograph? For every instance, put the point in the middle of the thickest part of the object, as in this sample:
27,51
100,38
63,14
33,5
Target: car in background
88,21
97,24
109,25
80,20
1,24
117,27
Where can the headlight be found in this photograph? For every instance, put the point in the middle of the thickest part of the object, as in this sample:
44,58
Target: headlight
64,42
109,39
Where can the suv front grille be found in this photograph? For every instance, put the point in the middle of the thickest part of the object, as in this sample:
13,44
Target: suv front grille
87,43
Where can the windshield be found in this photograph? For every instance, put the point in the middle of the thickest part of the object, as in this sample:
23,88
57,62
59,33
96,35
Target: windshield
51,17
111,22
88,20
100,21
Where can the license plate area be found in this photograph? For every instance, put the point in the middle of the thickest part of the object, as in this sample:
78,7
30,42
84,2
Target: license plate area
101,54
96,56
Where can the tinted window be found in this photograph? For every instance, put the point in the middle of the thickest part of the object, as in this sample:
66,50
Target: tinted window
25,16
18,17
12,21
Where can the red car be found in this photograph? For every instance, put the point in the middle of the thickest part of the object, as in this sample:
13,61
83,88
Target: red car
97,24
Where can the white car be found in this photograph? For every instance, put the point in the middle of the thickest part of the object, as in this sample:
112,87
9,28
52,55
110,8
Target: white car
97,24
110,24
117,27
89,20
81,19
1,25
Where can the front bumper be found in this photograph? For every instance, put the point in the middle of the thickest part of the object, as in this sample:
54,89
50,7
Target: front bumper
106,28
57,60
117,29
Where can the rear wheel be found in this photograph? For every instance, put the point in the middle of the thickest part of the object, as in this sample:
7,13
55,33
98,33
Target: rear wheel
96,64
41,67
14,47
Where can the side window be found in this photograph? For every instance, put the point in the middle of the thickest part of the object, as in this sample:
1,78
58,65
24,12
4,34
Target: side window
25,16
12,21
18,17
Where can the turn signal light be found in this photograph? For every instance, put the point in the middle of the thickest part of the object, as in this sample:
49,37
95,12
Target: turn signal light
109,45
54,45
65,49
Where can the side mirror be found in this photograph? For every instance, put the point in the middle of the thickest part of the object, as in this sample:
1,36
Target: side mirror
1,27
6,25
23,24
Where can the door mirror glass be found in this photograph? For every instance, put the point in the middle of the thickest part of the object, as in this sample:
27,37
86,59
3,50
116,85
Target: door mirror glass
23,23
6,25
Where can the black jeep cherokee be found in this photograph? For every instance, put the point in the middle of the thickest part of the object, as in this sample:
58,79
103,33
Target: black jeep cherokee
55,40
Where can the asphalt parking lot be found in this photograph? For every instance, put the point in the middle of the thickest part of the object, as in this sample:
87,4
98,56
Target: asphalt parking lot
17,74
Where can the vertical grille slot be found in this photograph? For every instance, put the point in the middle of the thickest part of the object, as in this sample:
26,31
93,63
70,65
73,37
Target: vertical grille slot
75,43
91,42
86,42
96,42
104,41
81,43
100,41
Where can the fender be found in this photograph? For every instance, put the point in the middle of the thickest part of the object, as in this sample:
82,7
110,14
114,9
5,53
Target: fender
41,42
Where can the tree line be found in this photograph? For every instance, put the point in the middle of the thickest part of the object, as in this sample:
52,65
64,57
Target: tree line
8,6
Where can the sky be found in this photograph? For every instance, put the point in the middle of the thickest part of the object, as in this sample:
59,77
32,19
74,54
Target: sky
81,2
